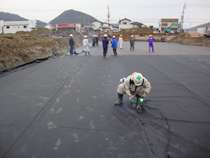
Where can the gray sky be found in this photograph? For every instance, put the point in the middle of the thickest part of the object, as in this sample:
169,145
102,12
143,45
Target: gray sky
148,12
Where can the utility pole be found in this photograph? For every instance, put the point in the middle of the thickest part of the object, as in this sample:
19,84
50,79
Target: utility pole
182,16
108,15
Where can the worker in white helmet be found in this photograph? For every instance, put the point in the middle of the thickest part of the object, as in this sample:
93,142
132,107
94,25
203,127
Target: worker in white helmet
86,46
135,84
132,42
151,39
71,43
105,43
120,41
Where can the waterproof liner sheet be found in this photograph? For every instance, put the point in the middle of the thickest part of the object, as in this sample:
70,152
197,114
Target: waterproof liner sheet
64,107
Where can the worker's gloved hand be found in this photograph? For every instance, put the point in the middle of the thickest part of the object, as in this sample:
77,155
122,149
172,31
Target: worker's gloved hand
132,99
143,96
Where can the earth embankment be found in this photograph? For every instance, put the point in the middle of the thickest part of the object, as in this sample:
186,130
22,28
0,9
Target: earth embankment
22,47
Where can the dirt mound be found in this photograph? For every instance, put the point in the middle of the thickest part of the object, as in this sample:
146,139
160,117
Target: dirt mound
22,47
182,38
36,32
191,41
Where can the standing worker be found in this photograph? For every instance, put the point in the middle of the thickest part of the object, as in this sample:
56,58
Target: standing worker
135,84
86,45
114,45
105,43
71,43
151,39
94,40
97,40
132,42
120,41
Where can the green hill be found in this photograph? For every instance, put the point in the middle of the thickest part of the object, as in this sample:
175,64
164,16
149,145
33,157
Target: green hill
72,16
14,17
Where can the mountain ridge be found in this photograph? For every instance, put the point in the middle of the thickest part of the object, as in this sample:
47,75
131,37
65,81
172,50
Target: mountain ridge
72,16
15,17
68,16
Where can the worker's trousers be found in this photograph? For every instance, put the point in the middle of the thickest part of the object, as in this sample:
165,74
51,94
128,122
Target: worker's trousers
132,46
152,48
121,45
121,90
105,51
71,49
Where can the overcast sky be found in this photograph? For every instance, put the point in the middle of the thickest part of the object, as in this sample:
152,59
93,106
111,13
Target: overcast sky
148,12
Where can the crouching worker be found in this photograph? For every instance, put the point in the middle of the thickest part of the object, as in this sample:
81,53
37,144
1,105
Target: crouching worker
135,84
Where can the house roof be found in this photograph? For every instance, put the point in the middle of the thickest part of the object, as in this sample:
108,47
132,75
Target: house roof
115,25
124,19
136,23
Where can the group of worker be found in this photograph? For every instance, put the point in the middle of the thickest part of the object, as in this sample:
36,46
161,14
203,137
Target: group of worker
95,40
105,43
135,85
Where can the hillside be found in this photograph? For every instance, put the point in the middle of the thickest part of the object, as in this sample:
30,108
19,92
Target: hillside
14,17
72,16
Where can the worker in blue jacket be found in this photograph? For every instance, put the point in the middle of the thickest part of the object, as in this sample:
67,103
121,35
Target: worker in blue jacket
114,45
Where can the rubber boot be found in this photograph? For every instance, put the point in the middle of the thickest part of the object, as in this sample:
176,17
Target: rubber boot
120,99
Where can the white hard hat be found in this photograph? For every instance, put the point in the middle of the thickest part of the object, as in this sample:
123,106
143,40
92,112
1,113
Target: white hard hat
85,36
137,79
71,35
131,35
150,35
113,36
120,35
105,35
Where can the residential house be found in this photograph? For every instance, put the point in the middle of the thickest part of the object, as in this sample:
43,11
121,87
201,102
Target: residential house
137,24
125,21
96,25
106,26
115,27
125,24
15,26
164,24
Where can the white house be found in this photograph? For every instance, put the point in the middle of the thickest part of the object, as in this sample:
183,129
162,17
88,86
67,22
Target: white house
96,25
15,26
125,24
106,25
125,21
